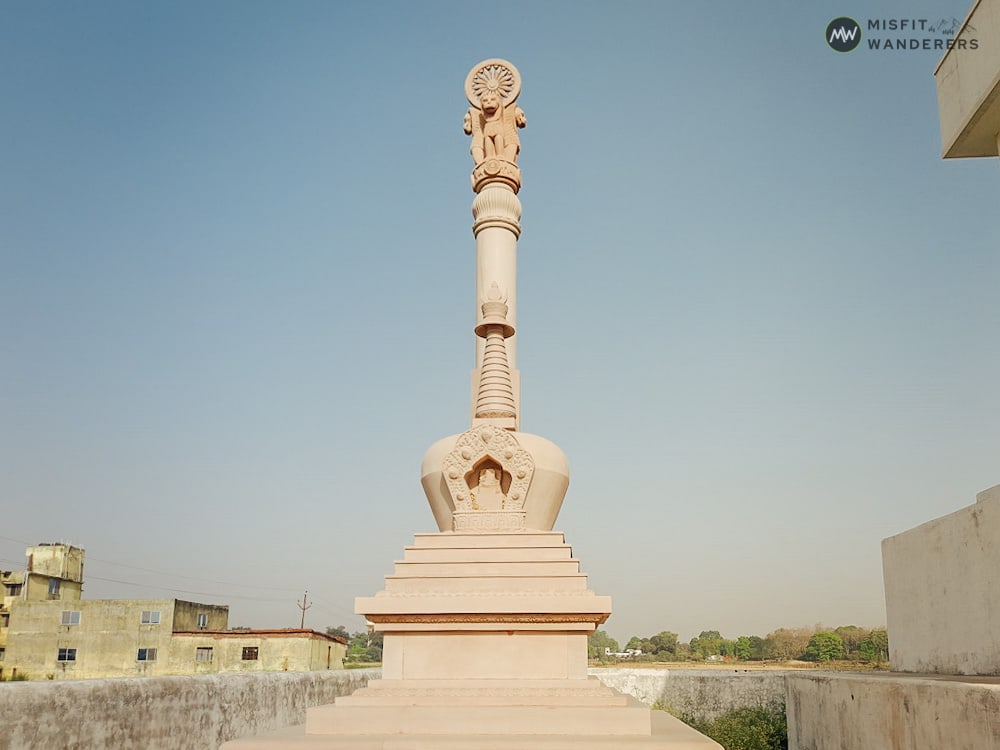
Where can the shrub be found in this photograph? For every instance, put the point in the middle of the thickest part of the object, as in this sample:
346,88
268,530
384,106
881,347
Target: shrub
763,728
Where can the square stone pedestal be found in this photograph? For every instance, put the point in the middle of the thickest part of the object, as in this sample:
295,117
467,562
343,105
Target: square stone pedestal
485,647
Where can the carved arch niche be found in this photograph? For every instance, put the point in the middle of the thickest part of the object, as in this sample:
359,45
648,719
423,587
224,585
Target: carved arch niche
484,450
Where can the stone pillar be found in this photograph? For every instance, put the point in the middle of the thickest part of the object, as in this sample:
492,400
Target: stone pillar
493,119
496,214
486,622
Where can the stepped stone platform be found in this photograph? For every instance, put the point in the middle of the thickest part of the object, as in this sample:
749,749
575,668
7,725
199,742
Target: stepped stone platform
485,647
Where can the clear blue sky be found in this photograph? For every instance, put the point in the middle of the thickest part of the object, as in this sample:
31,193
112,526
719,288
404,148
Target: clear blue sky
757,310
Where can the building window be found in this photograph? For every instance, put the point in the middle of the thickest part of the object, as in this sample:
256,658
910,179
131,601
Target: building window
70,617
146,654
54,584
3,652
249,653
202,621
14,589
5,620
67,654
150,617
203,653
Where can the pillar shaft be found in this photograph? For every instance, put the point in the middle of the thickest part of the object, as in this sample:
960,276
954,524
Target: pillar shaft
496,213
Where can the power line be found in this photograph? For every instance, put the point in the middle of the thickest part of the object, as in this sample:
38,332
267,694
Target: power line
189,578
92,559
19,541
183,591
334,611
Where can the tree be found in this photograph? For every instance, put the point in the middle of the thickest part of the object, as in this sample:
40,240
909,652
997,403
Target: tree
786,644
340,632
683,652
851,635
824,646
743,649
598,641
365,646
874,647
664,643
708,643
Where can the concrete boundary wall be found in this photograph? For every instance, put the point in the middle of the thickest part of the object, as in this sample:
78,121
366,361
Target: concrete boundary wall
845,711
200,712
197,712
703,694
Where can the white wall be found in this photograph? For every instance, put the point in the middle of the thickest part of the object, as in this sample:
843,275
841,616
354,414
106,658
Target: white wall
942,592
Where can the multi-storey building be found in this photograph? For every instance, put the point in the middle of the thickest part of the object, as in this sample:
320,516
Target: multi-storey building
11,586
101,637
54,573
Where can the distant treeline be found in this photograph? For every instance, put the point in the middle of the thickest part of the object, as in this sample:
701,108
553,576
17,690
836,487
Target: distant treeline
847,642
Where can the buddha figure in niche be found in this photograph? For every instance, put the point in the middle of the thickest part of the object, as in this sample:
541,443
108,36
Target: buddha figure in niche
488,493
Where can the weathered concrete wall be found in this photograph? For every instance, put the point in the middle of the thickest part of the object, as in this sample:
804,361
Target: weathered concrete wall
277,651
703,694
942,592
844,711
163,713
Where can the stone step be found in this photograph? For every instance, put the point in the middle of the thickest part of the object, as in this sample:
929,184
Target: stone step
483,585
477,698
667,733
630,719
589,684
511,539
487,554
589,692
406,569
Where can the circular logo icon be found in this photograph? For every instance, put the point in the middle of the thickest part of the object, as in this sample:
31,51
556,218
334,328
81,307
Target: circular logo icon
843,34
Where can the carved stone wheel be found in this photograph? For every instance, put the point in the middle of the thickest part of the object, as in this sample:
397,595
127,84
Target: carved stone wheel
493,76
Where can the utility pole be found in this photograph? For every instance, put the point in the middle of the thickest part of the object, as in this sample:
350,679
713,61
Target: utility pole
303,606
